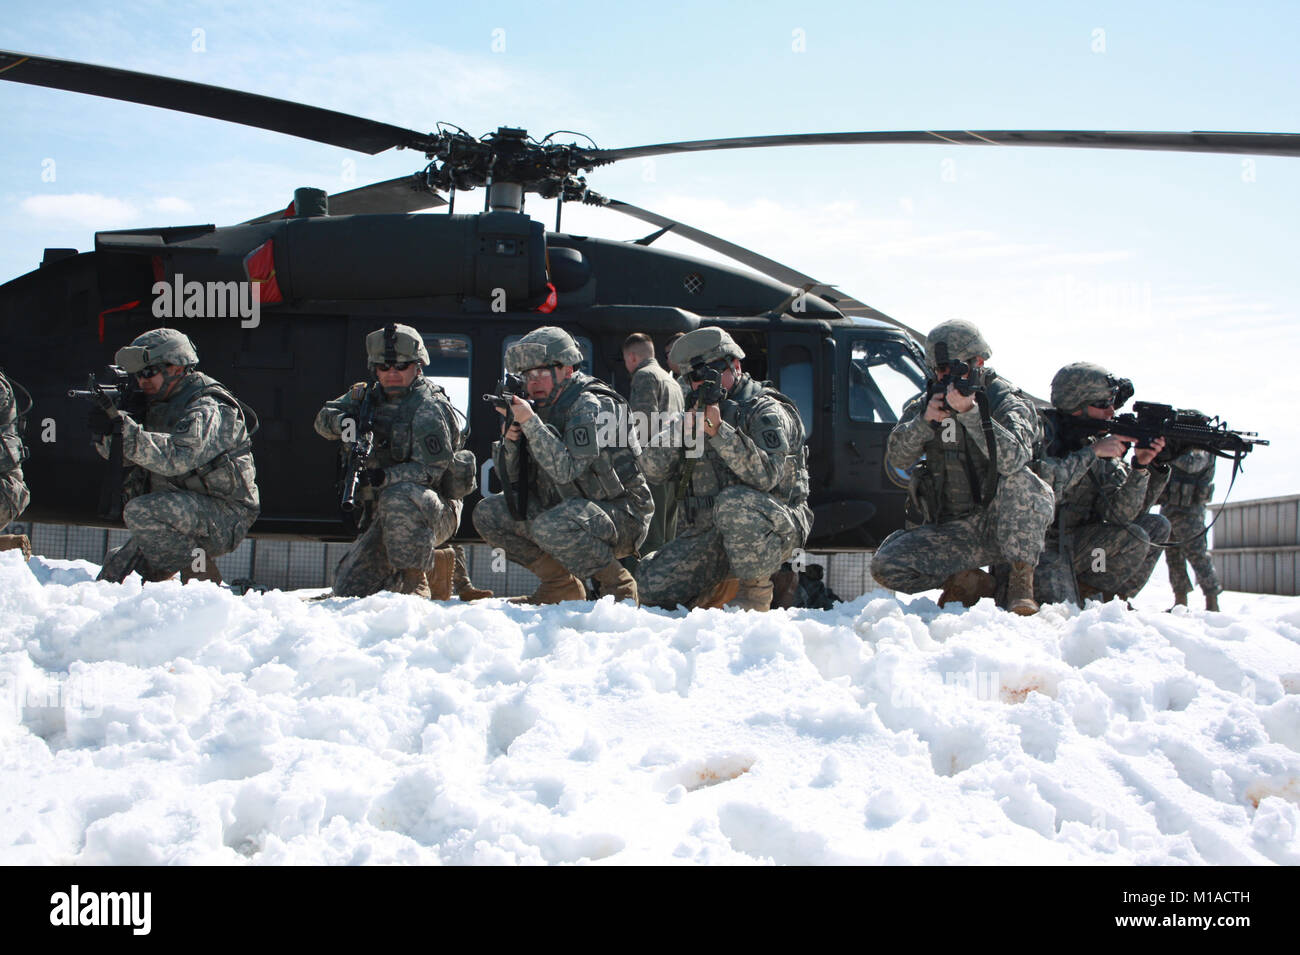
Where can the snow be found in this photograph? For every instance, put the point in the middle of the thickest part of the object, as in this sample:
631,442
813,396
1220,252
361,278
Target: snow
161,723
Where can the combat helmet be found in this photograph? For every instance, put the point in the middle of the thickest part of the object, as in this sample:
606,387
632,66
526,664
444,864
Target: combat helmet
1080,383
541,347
395,343
960,338
703,346
161,346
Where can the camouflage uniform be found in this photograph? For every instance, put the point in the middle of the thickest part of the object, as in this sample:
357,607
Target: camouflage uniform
14,496
744,507
655,391
973,514
1191,485
587,502
192,482
1102,536
410,502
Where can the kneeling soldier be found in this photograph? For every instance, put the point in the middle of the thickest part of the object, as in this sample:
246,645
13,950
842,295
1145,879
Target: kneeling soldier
740,480
575,501
979,501
412,484
1103,540
192,485
13,491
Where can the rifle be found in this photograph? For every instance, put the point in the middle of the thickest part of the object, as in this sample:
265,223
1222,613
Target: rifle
508,388
127,397
358,452
959,376
1181,428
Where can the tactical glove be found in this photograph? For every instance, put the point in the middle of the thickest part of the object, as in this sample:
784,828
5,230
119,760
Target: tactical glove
103,403
99,422
372,477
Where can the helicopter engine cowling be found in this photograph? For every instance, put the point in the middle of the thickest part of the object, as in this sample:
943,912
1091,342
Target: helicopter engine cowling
499,257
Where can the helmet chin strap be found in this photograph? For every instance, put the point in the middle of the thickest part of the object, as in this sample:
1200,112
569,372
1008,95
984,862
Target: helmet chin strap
169,382
556,387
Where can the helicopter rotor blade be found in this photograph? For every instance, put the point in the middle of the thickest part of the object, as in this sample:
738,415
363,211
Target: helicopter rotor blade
1263,144
393,196
217,102
762,264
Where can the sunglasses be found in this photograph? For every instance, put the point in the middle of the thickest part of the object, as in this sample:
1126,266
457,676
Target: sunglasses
149,371
1103,405
395,366
959,368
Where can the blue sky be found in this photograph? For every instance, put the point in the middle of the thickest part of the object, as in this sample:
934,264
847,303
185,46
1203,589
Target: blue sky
1176,270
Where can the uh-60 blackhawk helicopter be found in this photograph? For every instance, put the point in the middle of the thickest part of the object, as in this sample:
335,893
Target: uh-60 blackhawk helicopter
332,268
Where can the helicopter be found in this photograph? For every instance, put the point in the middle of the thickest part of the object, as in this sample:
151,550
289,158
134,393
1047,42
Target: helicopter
330,268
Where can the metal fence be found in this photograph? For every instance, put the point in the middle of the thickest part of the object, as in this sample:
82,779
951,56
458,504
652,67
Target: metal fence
1257,545
276,564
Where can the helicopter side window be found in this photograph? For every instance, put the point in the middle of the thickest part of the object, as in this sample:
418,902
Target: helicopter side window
797,382
584,345
883,375
449,365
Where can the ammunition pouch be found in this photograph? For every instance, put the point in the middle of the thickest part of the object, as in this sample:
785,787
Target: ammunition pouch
460,478
12,452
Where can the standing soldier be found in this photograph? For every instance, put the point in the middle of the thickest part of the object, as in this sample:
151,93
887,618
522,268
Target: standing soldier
1103,541
575,501
1191,485
979,501
191,494
743,498
411,485
654,395
13,491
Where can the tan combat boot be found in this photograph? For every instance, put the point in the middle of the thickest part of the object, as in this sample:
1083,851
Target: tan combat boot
717,596
557,584
414,582
1212,600
967,587
615,579
439,578
1180,600
17,542
755,594
460,582
1020,589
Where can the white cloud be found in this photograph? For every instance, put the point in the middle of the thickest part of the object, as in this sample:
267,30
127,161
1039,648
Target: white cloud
80,208
171,205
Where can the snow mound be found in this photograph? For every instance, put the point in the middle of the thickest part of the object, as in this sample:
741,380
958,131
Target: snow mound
161,724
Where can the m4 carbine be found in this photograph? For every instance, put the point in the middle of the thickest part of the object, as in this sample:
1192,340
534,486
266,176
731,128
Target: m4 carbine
122,390
358,452
1181,429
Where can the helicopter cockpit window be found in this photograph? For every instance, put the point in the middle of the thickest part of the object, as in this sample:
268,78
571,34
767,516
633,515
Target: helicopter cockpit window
449,364
583,343
797,382
883,375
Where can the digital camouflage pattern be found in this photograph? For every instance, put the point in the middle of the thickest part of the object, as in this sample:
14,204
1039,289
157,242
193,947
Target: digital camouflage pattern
964,341
1080,384
395,343
540,347
703,345
744,509
192,483
588,502
159,346
1113,559
1190,489
14,495
967,522
1100,519
407,517
654,390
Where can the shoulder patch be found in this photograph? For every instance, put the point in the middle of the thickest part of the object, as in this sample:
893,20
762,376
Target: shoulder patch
771,438
433,444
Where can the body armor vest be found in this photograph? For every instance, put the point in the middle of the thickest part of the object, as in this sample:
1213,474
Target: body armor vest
394,422
228,476
955,480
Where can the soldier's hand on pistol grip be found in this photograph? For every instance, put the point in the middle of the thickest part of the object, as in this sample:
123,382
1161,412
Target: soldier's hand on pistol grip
936,410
